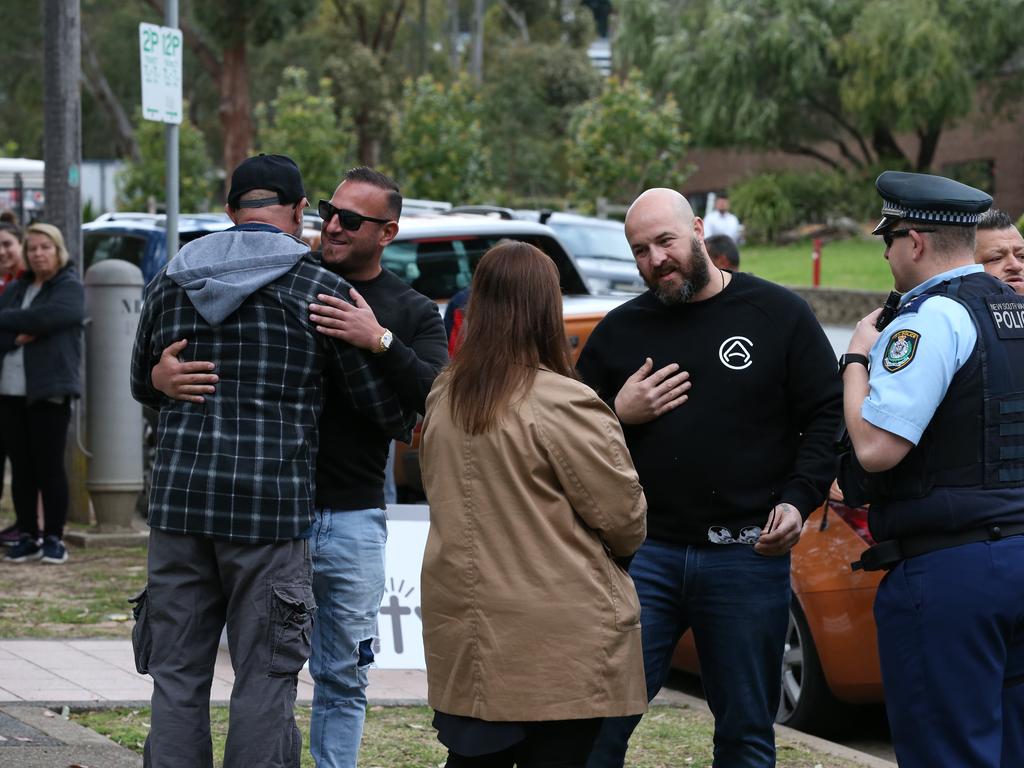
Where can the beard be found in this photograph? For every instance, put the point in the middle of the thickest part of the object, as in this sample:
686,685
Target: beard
694,276
345,260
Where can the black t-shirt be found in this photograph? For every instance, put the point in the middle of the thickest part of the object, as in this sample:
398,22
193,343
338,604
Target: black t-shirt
353,451
761,418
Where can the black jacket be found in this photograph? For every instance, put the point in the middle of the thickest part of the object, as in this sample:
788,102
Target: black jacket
53,361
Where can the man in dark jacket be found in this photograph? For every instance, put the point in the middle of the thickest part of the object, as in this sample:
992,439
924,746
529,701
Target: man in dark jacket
764,387
402,333
231,505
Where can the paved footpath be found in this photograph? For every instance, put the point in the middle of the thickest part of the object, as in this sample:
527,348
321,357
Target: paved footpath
40,677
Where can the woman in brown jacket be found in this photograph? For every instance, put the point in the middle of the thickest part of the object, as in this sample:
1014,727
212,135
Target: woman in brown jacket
531,628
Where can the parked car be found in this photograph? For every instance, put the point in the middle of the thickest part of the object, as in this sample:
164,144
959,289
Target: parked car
436,255
599,246
141,238
831,653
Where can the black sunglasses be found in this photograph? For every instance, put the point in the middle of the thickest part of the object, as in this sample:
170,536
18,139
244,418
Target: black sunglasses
893,234
349,220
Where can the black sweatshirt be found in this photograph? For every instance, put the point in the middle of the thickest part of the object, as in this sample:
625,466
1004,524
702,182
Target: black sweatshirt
762,414
353,451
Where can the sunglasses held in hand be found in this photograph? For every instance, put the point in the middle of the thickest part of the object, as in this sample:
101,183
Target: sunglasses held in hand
348,220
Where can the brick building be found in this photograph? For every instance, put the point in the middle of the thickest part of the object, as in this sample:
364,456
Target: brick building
986,154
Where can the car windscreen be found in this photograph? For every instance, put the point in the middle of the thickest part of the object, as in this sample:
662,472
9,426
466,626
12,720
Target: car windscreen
594,241
100,246
439,267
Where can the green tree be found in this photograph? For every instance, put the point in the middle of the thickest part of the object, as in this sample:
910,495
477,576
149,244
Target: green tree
623,142
302,123
529,94
796,75
439,151
366,79
146,179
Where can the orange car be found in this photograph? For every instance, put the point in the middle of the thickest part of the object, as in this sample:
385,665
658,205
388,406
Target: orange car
831,651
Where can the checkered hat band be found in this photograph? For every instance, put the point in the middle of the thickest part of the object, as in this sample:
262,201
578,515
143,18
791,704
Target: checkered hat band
943,217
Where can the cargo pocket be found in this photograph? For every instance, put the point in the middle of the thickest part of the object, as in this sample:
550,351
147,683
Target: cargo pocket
291,623
142,637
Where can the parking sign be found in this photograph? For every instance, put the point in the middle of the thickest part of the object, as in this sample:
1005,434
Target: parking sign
160,53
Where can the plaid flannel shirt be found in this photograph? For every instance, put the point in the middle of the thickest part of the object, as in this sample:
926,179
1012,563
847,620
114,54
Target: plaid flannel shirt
241,465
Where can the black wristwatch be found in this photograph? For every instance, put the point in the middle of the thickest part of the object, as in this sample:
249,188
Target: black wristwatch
852,357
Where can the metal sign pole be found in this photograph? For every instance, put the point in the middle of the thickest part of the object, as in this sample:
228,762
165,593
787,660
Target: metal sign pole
171,135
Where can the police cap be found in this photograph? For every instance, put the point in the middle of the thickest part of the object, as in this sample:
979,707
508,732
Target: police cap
926,198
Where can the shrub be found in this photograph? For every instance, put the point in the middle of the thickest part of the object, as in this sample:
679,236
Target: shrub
770,203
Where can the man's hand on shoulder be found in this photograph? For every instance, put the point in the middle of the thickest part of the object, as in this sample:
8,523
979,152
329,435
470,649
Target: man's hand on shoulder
183,381
355,324
648,394
782,531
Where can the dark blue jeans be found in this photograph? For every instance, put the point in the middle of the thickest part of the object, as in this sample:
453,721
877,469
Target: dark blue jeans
737,603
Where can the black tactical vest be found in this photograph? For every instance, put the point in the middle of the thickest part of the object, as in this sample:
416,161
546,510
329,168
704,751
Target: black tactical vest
967,471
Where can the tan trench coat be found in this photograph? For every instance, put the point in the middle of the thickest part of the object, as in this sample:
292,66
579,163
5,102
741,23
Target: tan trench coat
525,614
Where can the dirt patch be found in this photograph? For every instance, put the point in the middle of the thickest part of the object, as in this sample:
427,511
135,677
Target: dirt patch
85,597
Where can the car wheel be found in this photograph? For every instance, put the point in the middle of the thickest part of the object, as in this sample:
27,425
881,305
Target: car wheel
806,703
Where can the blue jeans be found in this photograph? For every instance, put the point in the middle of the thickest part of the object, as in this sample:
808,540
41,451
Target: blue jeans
951,643
348,583
737,603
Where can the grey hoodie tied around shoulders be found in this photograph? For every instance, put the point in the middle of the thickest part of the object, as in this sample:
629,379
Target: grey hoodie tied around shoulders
221,270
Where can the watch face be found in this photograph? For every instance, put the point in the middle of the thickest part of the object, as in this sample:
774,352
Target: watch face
386,339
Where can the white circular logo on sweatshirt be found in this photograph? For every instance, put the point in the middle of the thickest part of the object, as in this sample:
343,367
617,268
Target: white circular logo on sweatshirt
735,353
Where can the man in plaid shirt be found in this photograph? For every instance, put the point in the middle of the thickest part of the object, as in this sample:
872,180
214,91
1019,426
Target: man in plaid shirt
231,503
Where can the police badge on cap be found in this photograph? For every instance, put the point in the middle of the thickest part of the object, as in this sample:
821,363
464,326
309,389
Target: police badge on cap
926,198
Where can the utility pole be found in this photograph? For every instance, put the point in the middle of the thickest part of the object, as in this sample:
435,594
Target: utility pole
478,41
171,133
62,151
62,120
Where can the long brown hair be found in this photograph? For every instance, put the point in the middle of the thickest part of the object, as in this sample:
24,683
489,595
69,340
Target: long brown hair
513,326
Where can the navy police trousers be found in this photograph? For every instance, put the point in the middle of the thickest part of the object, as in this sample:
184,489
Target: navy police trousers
951,642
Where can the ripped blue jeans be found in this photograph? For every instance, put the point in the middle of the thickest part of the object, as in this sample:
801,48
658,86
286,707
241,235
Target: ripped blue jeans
348,584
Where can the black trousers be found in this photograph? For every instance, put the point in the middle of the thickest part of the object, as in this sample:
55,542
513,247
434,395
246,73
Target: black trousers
551,744
33,438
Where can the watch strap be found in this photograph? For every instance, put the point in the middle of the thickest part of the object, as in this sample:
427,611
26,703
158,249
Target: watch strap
852,357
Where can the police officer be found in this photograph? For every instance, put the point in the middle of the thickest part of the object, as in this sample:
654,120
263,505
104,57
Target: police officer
934,405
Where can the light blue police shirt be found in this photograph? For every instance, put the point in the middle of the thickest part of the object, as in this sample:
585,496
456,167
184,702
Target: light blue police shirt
915,358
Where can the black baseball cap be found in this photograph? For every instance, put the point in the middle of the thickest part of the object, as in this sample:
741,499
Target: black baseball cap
276,172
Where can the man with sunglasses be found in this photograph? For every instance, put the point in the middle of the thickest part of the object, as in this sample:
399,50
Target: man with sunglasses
232,497
404,341
934,406
403,332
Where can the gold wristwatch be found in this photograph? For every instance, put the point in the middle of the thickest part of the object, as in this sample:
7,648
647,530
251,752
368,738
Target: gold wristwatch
384,342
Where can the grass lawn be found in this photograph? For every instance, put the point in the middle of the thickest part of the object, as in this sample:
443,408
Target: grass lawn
850,263
85,597
402,737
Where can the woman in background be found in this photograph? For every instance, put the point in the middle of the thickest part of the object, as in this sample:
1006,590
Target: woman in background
12,265
12,260
531,629
41,317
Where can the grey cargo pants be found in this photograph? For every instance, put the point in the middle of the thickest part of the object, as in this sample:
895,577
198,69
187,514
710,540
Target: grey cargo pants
263,593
